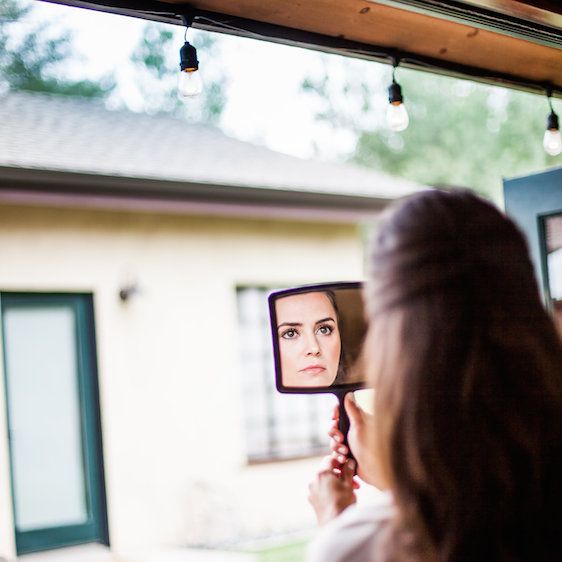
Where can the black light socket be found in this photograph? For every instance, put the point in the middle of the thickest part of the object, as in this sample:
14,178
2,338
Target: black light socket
395,94
552,122
188,57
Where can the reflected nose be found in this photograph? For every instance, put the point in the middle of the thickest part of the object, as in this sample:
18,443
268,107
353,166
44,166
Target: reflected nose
312,347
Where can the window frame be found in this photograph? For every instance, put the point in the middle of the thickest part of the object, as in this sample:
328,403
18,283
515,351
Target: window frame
271,453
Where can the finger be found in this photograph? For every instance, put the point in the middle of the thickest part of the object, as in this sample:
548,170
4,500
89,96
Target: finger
325,474
336,434
348,471
338,449
354,412
340,459
336,413
330,462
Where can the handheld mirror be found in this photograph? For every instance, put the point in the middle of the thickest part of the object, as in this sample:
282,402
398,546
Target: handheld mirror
318,332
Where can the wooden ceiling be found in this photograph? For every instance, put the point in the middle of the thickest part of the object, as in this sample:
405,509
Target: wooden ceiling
508,42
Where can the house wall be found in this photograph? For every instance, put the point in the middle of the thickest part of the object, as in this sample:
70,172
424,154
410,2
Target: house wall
168,364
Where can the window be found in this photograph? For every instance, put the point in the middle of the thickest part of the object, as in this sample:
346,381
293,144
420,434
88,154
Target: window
53,420
277,426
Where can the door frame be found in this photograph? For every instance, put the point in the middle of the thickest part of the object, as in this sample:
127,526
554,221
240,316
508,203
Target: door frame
96,527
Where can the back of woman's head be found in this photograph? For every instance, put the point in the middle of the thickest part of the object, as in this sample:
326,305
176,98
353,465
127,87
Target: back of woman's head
467,367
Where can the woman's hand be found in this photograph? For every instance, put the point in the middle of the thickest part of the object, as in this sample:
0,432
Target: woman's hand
332,490
340,452
361,442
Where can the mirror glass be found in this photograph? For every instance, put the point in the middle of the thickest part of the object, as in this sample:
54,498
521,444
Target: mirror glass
317,333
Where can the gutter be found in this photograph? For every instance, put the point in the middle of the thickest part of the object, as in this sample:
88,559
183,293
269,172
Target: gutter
55,188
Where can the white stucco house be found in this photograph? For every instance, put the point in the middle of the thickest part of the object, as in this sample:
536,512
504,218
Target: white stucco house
137,401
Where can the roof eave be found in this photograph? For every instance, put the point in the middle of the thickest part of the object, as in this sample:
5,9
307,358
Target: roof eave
55,188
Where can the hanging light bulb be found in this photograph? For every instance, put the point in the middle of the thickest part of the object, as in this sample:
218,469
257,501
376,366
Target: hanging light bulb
396,115
552,141
189,82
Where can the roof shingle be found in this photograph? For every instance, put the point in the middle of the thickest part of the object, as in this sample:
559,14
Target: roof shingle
79,135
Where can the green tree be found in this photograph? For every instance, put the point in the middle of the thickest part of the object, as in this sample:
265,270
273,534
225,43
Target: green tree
33,59
156,59
460,133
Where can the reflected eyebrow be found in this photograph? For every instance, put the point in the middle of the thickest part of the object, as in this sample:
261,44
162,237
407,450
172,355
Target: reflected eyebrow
295,324
291,324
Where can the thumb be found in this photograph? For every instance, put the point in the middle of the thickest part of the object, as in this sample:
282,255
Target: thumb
348,472
354,412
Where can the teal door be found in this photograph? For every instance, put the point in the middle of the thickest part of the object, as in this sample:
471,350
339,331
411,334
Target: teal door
53,420
535,203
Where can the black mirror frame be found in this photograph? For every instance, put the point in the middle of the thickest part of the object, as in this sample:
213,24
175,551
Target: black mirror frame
340,389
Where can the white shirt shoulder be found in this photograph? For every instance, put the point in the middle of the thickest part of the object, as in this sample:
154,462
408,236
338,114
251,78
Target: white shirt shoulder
351,536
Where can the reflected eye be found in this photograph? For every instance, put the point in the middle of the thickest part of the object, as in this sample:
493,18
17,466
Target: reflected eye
290,334
325,330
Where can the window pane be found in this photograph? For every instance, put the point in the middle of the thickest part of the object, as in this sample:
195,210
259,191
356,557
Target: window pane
44,416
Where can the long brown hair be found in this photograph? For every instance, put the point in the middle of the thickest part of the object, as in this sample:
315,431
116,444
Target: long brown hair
467,367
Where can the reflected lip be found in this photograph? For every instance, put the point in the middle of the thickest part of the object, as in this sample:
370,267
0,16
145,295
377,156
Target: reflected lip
313,369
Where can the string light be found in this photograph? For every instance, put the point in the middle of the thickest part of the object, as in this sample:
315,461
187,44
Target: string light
396,115
552,141
397,119
189,83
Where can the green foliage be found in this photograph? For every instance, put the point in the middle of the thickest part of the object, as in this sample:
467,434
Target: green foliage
460,134
291,552
31,58
155,42
35,57
156,58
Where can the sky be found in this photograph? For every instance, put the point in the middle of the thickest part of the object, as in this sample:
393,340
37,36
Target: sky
264,105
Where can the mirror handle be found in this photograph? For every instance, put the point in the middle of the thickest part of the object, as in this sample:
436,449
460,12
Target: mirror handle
343,425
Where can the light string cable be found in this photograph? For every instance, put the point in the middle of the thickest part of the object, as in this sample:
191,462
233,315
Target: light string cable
389,56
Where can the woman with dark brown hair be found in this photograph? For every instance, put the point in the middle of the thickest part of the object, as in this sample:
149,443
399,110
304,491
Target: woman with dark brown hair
467,370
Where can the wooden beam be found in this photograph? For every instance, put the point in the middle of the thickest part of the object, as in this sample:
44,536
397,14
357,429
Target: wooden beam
376,24
519,53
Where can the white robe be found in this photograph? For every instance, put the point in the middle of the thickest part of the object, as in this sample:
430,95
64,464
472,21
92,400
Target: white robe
352,535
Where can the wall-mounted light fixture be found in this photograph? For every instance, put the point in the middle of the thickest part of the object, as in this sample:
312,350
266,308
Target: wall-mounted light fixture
129,284
127,291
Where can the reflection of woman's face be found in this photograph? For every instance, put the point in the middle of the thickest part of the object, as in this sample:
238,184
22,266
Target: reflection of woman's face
309,339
